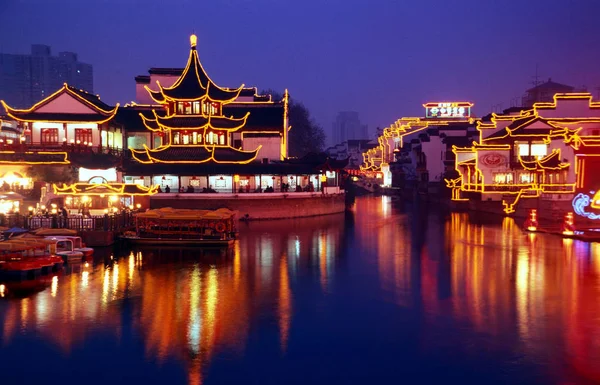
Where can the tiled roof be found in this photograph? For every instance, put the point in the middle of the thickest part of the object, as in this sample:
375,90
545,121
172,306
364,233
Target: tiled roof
91,98
195,154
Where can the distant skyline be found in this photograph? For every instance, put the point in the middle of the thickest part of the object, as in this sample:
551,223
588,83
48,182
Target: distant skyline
381,58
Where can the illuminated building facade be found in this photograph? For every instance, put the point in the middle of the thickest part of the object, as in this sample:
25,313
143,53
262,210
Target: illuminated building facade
185,134
190,135
68,128
549,153
416,150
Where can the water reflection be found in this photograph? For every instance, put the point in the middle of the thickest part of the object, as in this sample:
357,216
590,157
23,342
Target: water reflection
186,305
535,291
455,285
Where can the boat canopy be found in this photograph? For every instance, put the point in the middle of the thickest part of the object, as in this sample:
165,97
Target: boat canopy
169,213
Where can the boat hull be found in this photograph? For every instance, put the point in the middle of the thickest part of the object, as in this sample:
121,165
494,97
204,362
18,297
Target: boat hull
180,242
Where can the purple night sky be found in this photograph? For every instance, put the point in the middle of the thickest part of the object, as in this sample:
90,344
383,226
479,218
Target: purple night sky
382,58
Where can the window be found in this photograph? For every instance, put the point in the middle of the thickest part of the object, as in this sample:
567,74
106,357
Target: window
528,177
83,135
538,150
210,108
186,139
184,108
49,135
196,108
210,138
176,138
222,139
503,178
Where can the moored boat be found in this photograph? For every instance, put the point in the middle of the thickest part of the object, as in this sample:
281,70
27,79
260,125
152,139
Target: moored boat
78,245
168,226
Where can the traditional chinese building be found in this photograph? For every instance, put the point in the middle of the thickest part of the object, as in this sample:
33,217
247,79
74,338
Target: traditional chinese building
197,136
187,134
417,150
70,130
546,157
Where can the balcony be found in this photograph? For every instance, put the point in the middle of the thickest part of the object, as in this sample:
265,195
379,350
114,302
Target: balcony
59,147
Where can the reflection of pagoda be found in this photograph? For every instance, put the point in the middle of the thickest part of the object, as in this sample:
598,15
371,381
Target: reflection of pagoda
194,129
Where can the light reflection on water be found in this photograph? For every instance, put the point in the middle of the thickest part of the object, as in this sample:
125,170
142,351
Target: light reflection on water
461,287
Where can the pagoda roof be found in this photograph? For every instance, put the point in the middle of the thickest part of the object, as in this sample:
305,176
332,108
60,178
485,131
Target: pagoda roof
194,84
104,189
193,122
549,162
267,116
34,157
193,154
90,110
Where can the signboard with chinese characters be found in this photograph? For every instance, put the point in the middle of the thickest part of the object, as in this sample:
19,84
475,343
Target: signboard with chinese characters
448,110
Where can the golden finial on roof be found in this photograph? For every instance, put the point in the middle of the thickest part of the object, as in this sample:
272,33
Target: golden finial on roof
193,40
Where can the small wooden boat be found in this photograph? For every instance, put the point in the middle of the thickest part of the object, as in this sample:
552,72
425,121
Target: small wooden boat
168,226
63,247
78,245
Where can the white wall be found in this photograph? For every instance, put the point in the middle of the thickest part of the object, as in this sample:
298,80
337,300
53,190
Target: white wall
66,103
434,151
71,132
38,126
271,147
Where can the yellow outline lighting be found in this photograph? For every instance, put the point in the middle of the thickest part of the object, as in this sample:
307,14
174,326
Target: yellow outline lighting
65,88
166,131
567,130
64,161
115,189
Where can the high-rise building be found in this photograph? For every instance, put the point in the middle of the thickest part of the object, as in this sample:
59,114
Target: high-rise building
347,126
27,79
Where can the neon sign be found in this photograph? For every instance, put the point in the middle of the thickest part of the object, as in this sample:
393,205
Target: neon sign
448,110
580,203
494,159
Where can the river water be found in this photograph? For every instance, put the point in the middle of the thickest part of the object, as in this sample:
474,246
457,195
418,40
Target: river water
387,293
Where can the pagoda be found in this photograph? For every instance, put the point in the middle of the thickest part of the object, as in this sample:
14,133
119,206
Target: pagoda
192,127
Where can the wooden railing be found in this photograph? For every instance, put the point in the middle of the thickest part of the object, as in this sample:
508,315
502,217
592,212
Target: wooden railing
66,147
113,222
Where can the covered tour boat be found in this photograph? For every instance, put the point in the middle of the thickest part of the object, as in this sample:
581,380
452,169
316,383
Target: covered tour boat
168,226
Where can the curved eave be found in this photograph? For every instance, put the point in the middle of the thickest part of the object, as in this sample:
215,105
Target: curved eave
24,161
210,123
248,156
157,96
113,189
221,95
141,156
151,124
26,116
199,84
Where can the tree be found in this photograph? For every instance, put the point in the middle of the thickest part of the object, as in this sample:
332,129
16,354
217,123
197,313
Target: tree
305,135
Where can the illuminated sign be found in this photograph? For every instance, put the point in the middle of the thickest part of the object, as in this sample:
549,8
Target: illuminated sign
494,159
97,176
448,110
